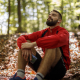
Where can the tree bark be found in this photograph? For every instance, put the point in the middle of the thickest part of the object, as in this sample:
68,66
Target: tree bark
19,29
24,17
37,17
48,7
33,18
62,11
9,16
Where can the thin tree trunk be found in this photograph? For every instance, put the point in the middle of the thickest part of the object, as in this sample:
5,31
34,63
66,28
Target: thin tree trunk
9,16
33,18
42,21
62,11
1,30
48,7
24,10
14,22
37,16
19,17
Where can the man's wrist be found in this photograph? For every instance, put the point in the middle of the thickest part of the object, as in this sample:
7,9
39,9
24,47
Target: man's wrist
34,44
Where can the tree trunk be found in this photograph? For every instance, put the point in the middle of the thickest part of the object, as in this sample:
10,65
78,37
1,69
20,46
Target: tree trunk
24,17
48,7
62,11
1,30
9,16
19,17
33,18
37,16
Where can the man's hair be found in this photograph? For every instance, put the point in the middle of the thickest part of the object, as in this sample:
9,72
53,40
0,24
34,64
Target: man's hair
60,16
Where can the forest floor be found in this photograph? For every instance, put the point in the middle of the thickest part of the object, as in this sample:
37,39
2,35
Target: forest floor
8,60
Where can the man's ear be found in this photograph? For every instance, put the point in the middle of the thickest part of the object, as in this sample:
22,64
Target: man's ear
59,20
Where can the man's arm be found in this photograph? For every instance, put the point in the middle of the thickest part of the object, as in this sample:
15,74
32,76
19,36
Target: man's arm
54,41
32,37
28,45
50,42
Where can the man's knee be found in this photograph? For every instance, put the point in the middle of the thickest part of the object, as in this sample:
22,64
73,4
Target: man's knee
58,52
54,51
50,50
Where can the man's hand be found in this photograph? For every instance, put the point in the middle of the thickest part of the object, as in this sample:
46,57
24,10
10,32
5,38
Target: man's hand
27,54
26,50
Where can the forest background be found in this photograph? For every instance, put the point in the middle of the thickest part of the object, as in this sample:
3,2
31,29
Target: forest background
17,16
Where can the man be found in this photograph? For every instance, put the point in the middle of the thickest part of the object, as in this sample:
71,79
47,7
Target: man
55,44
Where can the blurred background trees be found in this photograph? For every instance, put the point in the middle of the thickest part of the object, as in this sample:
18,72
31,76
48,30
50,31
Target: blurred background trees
17,16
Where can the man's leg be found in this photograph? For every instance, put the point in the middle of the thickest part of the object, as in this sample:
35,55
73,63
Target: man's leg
21,65
58,56
21,68
21,61
50,59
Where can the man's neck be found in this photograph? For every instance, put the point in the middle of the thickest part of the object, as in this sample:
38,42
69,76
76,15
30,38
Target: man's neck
51,27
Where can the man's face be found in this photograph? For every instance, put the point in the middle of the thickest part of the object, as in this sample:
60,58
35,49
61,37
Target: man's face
52,19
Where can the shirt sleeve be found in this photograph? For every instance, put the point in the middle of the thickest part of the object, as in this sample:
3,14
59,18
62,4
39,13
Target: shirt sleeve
32,37
54,41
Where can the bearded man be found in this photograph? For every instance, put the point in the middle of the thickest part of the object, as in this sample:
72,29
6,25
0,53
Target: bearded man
54,41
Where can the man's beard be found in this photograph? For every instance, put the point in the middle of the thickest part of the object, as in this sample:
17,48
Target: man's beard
51,23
